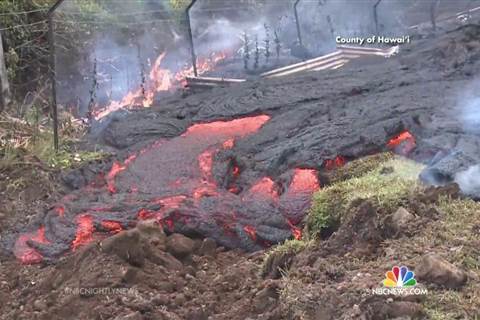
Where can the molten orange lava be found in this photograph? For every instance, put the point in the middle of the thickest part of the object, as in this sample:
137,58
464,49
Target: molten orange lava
60,210
116,169
237,127
25,253
304,180
85,231
112,226
296,231
170,202
265,187
229,144
252,233
338,162
403,144
205,162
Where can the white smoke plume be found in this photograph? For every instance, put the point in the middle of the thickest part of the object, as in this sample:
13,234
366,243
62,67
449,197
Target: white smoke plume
469,115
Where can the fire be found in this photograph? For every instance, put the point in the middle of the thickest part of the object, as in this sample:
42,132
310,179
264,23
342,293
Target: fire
85,231
160,80
403,144
25,253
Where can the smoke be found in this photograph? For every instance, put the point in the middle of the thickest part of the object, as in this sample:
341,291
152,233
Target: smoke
468,113
469,181
470,110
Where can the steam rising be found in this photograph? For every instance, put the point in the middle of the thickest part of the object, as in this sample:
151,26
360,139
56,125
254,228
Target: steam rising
469,103
469,181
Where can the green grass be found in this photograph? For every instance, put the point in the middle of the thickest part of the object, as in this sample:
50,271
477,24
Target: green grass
288,248
387,186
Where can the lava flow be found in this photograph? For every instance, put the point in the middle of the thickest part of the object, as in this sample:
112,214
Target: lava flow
178,183
402,144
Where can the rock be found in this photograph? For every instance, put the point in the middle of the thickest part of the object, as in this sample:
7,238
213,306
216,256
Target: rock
396,223
165,259
208,247
266,298
197,314
150,229
401,217
166,286
379,310
129,275
432,268
179,299
132,316
126,245
179,245
40,305
160,300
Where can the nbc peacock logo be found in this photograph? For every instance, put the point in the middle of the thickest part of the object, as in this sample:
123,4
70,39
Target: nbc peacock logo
399,277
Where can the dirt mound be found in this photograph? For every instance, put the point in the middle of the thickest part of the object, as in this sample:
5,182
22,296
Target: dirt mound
144,274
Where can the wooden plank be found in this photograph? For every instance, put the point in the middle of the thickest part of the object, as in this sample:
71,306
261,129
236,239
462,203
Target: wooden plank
333,65
310,62
214,80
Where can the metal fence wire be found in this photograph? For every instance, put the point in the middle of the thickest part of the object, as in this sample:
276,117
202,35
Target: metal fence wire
128,53
114,54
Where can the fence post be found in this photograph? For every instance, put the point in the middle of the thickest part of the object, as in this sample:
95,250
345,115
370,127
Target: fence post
375,16
4,86
51,42
297,22
190,38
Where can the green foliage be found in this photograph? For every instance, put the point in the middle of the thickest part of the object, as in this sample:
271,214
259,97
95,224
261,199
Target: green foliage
386,186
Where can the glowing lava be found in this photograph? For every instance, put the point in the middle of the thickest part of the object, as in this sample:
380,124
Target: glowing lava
85,231
402,144
338,162
23,251
175,183
304,180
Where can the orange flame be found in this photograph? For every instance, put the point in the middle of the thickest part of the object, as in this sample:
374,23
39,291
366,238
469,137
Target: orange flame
160,80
